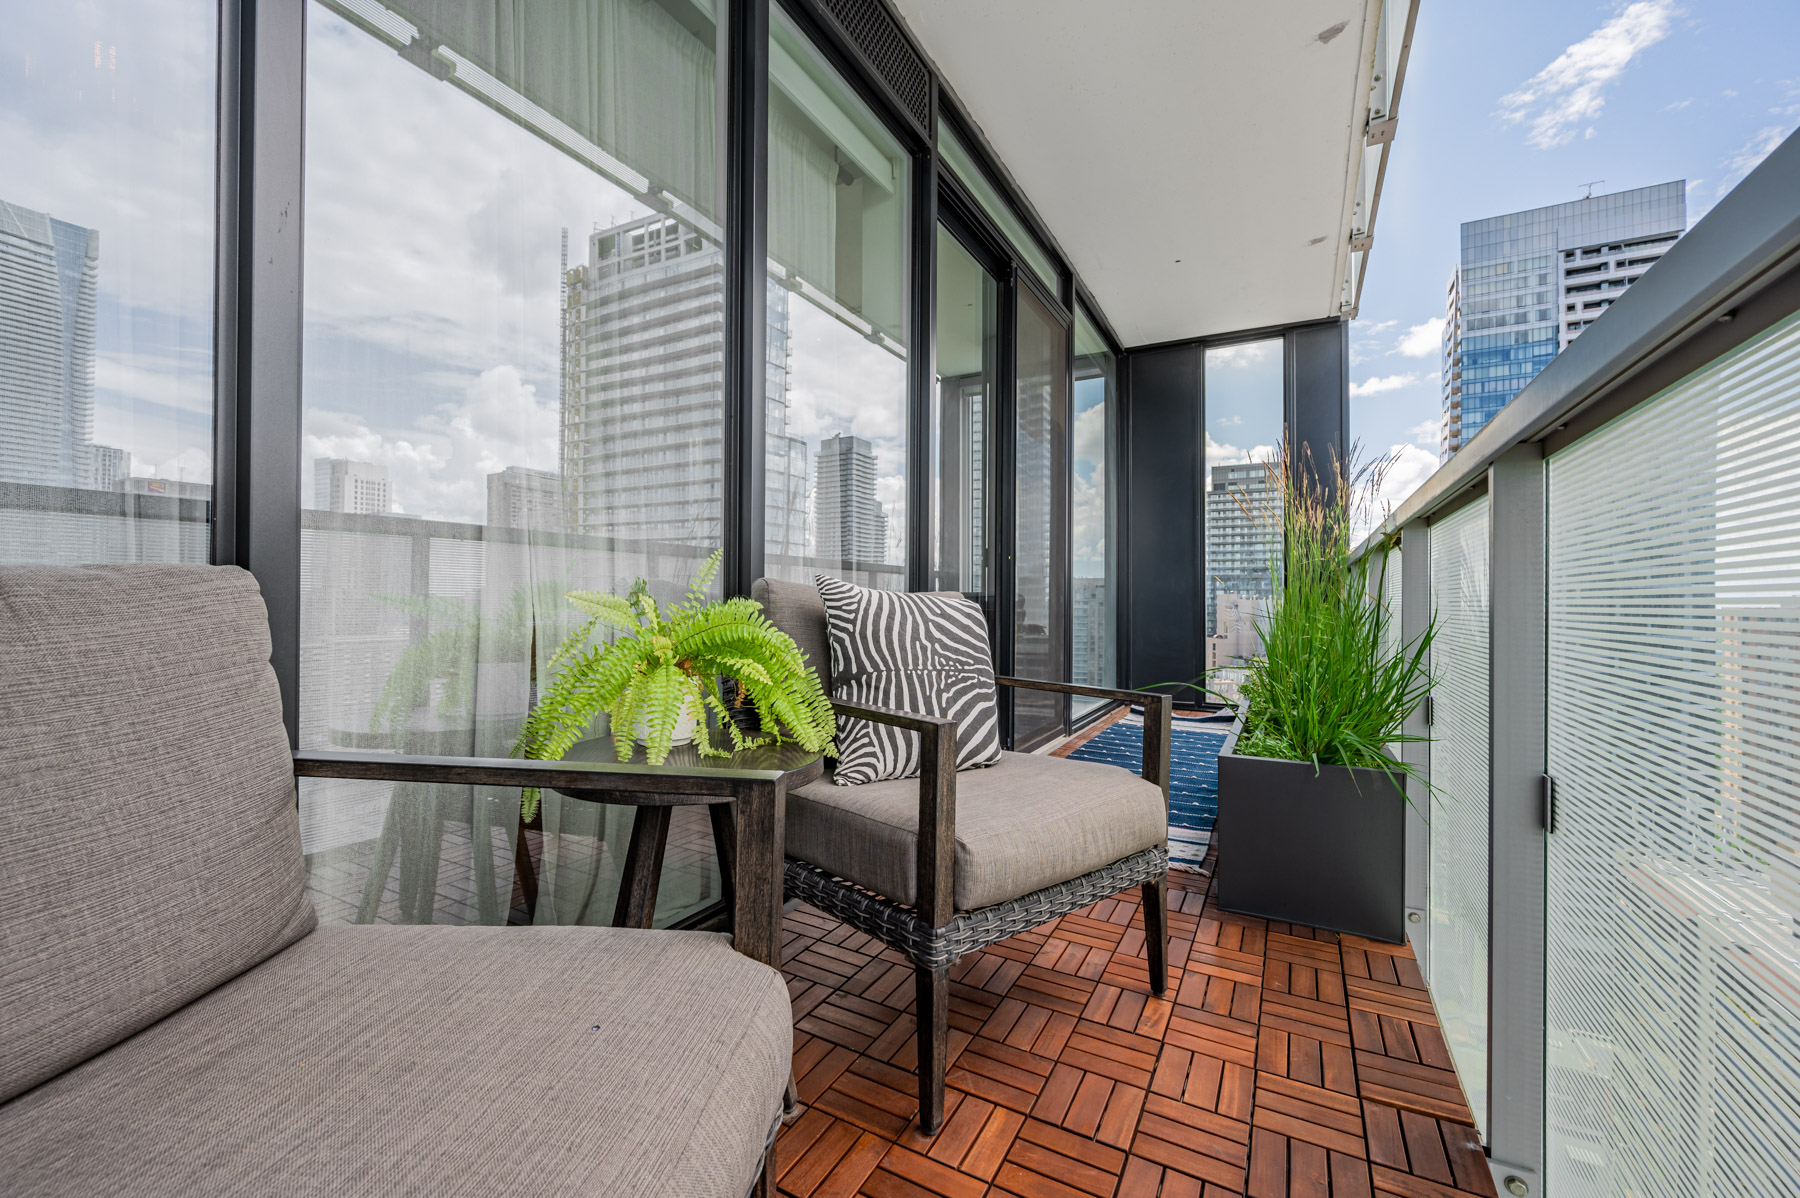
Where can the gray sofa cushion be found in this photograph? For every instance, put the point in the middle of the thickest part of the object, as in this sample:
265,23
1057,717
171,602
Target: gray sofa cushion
149,847
1028,822
433,1061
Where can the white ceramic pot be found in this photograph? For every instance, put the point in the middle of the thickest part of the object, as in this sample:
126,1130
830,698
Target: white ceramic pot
685,726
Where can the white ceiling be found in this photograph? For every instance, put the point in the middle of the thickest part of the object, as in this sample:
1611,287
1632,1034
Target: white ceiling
1223,135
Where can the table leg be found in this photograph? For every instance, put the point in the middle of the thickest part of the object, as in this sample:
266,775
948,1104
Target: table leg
724,833
643,868
760,813
526,869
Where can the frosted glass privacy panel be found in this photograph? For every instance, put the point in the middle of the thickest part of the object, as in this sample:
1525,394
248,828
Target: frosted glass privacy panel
1673,965
1459,862
1388,592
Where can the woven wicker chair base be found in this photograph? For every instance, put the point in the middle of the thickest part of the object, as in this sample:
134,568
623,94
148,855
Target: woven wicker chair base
901,927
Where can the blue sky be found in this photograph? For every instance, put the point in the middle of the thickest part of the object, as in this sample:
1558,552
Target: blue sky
1517,106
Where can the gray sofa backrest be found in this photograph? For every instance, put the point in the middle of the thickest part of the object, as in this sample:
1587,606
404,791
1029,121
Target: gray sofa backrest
149,844
796,609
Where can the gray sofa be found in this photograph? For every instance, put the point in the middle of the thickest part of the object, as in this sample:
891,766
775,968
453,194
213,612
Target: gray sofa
172,1022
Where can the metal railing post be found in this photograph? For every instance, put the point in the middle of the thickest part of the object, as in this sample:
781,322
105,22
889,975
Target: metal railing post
1415,615
1516,673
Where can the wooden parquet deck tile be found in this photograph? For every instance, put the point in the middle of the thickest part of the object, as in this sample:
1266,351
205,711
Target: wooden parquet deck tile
1285,1062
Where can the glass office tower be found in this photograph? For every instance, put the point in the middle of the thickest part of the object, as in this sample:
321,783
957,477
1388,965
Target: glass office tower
1529,282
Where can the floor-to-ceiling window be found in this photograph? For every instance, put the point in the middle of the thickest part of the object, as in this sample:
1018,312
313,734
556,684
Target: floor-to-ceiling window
962,423
1093,513
1040,517
513,388
108,152
1245,403
835,431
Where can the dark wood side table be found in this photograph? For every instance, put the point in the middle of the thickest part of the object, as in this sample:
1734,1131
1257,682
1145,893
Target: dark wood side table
636,906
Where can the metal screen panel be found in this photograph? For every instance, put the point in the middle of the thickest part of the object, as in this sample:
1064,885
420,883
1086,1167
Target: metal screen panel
1673,996
1460,807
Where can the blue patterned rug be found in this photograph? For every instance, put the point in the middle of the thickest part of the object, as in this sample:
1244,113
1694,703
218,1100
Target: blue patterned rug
1193,776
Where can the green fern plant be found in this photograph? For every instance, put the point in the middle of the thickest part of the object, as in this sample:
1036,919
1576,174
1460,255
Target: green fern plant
667,660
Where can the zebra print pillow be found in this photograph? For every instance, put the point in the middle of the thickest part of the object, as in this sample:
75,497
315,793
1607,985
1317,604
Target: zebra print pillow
925,653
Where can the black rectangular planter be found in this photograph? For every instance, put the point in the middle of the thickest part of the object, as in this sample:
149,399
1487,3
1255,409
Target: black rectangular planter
1325,849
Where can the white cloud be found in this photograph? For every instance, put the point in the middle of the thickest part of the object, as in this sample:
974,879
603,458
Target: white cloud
1219,454
439,466
1090,439
156,380
1426,433
1250,353
1376,386
1678,105
1422,340
1566,95
190,465
1750,157
1087,514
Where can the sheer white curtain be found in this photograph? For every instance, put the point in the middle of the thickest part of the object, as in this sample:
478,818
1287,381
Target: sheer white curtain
802,203
532,451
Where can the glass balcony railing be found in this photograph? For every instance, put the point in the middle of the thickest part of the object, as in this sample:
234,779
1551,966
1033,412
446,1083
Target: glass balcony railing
1602,883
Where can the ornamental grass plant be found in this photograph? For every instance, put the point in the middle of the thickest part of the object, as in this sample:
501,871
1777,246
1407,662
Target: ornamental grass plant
1332,685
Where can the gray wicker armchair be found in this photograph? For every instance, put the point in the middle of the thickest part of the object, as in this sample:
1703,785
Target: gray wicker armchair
950,863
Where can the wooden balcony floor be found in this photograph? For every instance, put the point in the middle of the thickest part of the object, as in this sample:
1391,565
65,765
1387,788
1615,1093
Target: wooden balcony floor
1285,1063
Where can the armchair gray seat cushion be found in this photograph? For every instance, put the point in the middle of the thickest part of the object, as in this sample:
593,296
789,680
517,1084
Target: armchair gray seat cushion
432,1061
1025,823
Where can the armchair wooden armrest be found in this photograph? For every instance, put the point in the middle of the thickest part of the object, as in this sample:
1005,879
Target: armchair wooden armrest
1158,709
936,879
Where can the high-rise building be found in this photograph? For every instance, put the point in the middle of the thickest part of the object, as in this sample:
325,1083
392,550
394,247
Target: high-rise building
362,488
1529,282
1243,535
111,466
519,497
642,386
49,279
1091,631
851,523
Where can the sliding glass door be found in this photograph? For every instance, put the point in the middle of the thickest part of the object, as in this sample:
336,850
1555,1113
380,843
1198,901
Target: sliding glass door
967,386
1040,459
1093,513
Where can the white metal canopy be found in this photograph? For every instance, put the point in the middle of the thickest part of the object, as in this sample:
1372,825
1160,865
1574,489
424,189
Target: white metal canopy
1205,167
